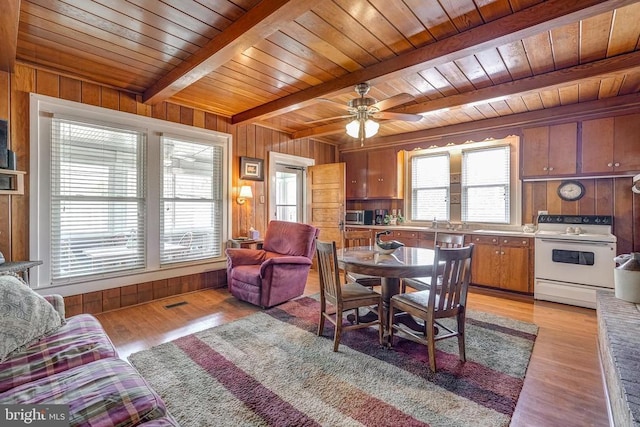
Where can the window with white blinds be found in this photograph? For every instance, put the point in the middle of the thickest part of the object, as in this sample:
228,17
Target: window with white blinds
97,199
430,187
192,200
485,185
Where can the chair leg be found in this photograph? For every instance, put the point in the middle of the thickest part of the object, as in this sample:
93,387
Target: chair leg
323,307
380,324
338,331
389,323
431,343
461,348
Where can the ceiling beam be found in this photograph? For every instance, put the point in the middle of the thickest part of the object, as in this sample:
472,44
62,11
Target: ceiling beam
254,26
551,80
9,19
522,24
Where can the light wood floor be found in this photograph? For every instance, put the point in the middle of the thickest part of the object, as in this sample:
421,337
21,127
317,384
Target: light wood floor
563,385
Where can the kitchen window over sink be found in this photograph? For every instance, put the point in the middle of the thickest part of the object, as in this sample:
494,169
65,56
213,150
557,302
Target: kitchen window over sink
471,182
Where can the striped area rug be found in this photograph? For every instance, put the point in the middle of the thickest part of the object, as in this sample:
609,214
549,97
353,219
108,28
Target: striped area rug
270,369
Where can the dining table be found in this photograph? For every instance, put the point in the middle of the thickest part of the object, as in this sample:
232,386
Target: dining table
404,262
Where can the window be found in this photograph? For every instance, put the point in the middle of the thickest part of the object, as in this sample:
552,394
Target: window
97,199
430,187
191,203
116,198
485,185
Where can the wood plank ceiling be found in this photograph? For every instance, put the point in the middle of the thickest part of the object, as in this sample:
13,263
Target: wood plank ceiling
277,62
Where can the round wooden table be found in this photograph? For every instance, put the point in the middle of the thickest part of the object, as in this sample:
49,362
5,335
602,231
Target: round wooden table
403,262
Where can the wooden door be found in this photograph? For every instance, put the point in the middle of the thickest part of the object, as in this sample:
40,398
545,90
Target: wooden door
563,149
485,267
626,157
356,175
535,151
325,193
515,268
597,146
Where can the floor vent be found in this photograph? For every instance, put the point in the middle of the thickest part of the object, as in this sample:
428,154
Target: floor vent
176,304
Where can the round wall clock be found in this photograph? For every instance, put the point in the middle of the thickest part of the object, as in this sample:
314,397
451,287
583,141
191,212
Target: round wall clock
571,190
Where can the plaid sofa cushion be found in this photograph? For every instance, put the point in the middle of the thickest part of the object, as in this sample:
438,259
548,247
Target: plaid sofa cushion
80,341
107,392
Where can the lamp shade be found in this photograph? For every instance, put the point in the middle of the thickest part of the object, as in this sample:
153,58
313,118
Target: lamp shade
370,128
353,128
244,194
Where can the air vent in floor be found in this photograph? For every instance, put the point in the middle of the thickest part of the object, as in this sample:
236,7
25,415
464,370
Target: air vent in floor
176,304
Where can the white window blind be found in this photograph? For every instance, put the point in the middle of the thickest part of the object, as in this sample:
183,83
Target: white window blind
430,187
485,185
97,200
192,200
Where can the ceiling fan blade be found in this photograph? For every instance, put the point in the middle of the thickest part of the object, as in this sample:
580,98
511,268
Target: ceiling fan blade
328,118
401,98
398,116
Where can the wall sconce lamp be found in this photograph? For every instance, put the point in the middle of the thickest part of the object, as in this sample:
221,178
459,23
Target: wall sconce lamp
244,194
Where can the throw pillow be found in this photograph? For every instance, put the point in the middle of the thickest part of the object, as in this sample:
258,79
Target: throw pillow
25,316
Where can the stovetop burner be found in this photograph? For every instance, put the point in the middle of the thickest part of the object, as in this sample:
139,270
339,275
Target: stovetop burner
587,228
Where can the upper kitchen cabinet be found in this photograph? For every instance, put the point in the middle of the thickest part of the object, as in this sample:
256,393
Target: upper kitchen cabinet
610,145
549,151
356,175
375,175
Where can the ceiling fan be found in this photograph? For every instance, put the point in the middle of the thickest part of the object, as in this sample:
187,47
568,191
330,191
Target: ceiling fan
363,110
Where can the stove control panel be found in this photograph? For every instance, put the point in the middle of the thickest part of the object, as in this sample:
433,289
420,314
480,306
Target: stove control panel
576,219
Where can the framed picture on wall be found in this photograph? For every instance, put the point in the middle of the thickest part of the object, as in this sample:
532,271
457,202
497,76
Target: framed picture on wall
251,169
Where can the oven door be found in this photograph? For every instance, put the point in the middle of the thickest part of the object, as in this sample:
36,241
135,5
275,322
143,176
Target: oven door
572,261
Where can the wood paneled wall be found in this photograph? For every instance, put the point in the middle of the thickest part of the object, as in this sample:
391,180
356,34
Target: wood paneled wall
248,140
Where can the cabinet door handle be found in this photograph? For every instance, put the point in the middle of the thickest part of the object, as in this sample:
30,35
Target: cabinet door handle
505,241
502,253
545,168
497,252
616,164
550,168
609,164
494,240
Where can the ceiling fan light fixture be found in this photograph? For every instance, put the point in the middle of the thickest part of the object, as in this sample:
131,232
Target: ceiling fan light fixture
370,128
353,128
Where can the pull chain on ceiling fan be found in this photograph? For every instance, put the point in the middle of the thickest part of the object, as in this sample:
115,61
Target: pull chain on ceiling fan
362,112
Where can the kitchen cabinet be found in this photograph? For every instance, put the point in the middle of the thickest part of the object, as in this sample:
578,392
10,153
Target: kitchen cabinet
502,262
610,145
356,175
549,150
409,238
375,175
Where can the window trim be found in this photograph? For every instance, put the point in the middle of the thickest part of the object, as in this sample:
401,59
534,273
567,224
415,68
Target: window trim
42,106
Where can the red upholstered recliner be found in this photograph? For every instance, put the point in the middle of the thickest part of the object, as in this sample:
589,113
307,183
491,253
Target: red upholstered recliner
277,272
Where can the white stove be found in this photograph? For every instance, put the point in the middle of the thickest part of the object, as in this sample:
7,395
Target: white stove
574,257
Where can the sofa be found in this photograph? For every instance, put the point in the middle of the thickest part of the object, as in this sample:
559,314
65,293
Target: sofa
276,273
47,359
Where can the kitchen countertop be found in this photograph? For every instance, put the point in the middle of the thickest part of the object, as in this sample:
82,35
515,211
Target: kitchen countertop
479,231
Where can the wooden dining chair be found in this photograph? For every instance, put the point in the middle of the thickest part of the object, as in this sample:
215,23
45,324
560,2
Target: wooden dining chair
354,238
442,240
441,300
342,296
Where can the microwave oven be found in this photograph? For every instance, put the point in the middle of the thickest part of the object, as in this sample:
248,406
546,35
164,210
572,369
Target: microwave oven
359,217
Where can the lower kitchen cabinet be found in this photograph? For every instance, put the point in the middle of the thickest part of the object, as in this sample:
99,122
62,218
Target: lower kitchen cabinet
503,262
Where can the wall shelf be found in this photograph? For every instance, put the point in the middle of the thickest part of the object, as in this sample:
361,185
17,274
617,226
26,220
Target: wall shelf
16,179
